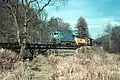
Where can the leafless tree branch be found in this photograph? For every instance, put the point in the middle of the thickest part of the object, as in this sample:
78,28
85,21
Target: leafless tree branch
31,2
40,9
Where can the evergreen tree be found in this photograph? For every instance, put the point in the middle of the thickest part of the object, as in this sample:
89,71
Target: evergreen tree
82,29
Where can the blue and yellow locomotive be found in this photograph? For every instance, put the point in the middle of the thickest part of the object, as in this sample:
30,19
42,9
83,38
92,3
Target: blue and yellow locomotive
69,39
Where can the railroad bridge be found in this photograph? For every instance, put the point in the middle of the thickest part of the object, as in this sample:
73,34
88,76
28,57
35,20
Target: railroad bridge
42,47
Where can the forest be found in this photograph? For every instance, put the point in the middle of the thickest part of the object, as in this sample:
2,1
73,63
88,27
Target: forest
14,18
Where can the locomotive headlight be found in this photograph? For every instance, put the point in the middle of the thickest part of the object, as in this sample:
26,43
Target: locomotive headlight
56,36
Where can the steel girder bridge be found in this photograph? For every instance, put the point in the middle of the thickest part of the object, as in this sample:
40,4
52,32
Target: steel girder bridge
42,47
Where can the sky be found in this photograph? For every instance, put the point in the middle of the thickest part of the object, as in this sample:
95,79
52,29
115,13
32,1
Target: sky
98,13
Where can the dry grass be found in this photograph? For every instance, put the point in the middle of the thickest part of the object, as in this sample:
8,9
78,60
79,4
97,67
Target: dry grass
98,65
7,59
13,69
95,64
21,72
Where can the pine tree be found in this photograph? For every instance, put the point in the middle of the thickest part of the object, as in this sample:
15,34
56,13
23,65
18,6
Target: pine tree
82,29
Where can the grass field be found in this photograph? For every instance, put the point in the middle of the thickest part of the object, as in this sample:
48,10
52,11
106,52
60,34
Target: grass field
94,64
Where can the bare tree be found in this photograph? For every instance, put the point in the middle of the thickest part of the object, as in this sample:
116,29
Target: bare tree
12,5
108,32
59,25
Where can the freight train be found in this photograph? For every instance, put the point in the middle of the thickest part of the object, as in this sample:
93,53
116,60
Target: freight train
69,39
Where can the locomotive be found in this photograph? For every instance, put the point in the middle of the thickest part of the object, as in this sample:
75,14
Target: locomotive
69,39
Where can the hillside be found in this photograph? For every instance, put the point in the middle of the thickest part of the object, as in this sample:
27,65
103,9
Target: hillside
101,39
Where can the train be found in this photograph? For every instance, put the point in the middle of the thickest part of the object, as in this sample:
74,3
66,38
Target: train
69,39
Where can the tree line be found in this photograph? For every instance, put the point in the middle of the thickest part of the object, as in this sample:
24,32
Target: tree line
111,38
112,43
25,21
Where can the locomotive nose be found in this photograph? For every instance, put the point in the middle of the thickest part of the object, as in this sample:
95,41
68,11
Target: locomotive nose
73,36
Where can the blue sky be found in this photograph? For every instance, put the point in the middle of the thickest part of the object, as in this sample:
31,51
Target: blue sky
97,13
